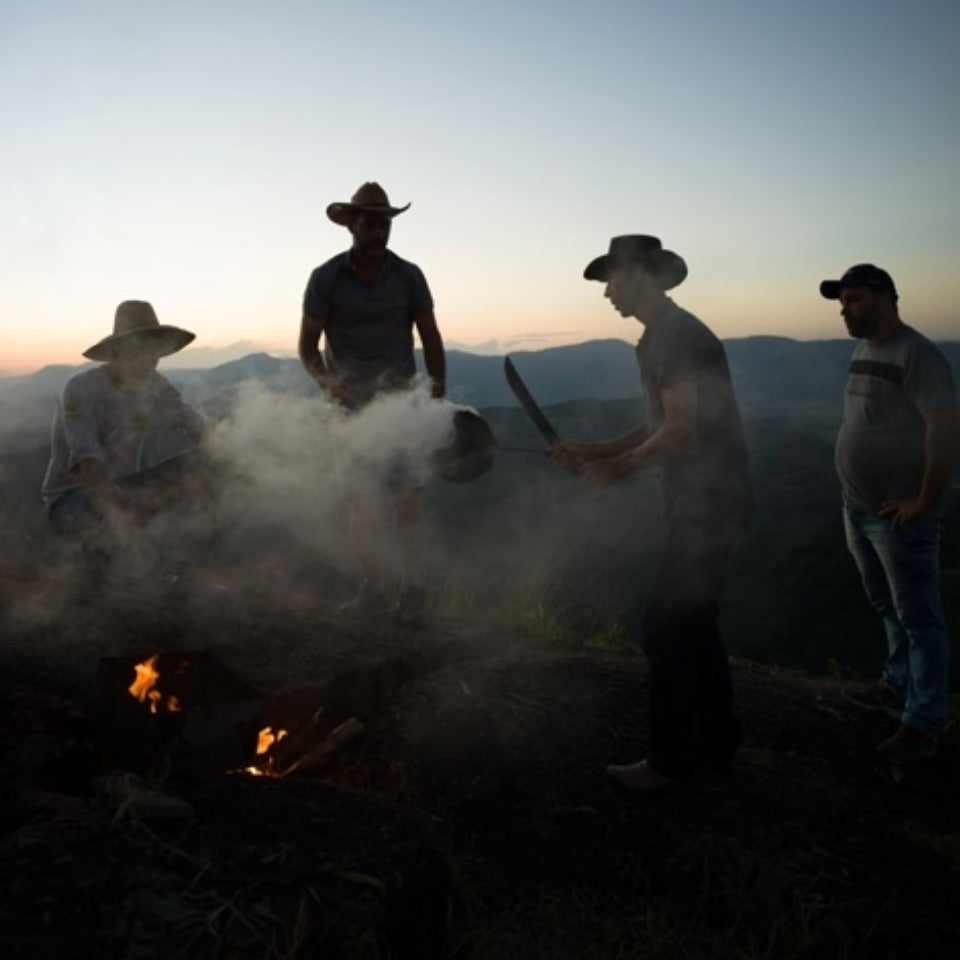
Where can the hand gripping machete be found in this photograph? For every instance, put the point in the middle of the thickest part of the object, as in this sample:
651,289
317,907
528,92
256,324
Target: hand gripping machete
529,405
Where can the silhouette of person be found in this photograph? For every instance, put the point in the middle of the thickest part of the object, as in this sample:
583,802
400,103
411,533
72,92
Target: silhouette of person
895,455
124,443
365,304
693,435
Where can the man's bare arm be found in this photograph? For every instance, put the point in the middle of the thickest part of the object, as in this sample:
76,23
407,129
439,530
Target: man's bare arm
434,355
676,436
575,452
308,346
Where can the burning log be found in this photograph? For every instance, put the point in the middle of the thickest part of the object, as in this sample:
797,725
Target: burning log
308,750
288,748
276,749
185,711
190,714
320,754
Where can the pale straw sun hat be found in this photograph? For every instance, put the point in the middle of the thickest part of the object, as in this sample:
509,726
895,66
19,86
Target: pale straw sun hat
135,324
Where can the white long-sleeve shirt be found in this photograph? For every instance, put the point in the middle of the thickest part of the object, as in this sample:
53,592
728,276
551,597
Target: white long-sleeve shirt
128,427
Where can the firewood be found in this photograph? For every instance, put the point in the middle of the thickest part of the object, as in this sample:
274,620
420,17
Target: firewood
323,752
296,742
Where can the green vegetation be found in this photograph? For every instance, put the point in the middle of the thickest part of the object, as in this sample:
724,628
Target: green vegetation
565,633
946,846
580,924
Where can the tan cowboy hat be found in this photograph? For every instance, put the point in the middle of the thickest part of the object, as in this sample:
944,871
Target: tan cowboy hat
370,198
667,266
136,323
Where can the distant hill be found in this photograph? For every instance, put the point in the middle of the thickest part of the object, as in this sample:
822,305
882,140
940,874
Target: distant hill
772,375
596,370
527,528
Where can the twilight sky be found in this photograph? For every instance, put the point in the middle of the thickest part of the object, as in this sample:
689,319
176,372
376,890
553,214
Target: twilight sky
184,152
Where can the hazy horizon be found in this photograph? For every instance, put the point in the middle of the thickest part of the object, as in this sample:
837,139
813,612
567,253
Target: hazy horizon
205,357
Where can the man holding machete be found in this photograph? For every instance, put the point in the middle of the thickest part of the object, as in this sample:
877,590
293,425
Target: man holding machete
693,435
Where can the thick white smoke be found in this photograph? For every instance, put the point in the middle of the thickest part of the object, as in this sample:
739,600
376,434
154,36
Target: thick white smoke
295,461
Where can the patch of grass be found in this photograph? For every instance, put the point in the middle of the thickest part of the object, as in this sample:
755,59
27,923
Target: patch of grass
174,904
585,925
953,710
945,846
541,612
567,631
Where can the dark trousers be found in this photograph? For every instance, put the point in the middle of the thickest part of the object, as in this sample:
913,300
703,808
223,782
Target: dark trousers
692,724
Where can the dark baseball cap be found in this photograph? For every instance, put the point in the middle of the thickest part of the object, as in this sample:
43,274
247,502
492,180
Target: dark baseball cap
860,275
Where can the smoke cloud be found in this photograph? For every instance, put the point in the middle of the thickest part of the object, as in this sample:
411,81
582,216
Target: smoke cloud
295,461
522,536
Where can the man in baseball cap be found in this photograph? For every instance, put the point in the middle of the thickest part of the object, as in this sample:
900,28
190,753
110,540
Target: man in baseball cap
895,455
860,275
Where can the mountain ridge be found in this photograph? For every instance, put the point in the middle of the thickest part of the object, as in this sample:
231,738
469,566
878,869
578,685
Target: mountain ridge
770,373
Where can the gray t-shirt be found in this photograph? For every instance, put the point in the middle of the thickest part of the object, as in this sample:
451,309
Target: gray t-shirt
713,483
880,451
368,328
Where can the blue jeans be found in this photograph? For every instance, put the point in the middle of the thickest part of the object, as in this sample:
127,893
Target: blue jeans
900,570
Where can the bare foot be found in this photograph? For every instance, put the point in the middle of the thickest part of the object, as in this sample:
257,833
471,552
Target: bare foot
639,777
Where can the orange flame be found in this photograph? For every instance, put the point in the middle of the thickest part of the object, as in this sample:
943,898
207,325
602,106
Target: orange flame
146,678
266,738
144,686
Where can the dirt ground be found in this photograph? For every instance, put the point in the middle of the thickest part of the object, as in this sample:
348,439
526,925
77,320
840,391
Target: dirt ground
469,817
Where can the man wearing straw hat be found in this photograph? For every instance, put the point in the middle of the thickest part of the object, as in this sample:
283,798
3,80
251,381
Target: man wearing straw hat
123,440
365,303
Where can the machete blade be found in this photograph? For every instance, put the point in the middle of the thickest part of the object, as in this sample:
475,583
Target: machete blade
529,405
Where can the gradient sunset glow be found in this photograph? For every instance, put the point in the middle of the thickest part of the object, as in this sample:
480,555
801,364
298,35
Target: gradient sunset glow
185,153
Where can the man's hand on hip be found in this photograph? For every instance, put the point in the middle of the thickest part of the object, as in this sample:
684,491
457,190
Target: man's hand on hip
901,512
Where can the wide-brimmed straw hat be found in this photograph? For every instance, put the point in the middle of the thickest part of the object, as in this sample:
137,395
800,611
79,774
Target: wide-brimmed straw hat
136,324
667,266
370,198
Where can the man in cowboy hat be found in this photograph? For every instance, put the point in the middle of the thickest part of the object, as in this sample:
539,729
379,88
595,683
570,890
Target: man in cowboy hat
694,437
365,303
121,437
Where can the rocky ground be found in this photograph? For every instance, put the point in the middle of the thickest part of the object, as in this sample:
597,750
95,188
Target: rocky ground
467,815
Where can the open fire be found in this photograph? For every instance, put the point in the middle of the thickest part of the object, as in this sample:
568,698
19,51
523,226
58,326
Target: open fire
144,687
266,764
216,709
266,738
